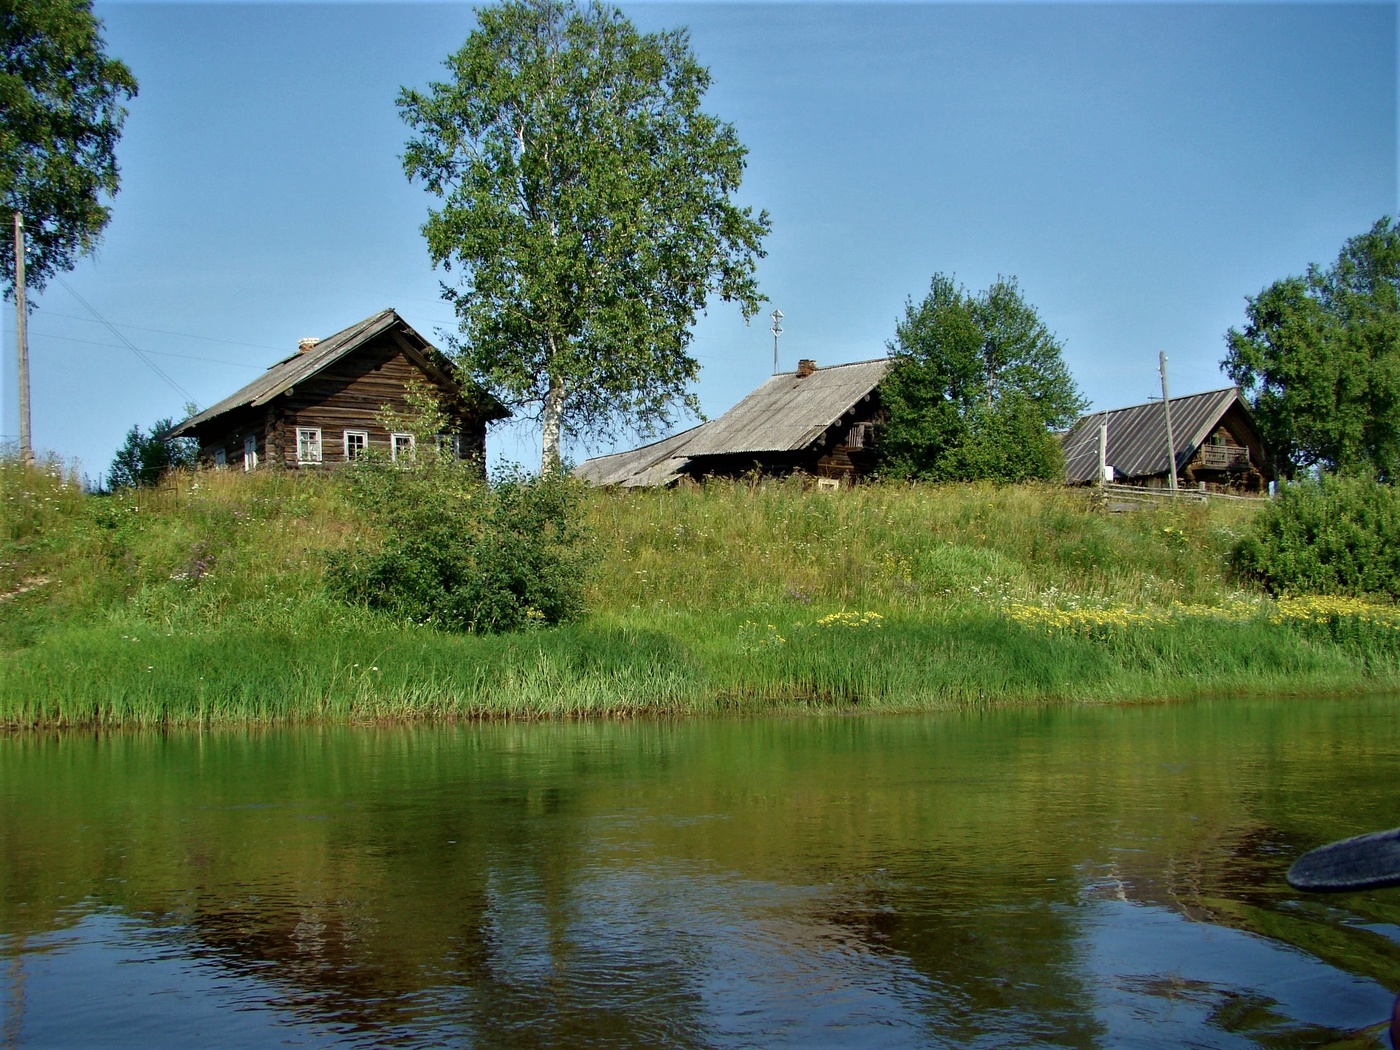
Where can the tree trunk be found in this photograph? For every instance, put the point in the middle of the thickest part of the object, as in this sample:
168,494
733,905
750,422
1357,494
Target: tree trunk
552,425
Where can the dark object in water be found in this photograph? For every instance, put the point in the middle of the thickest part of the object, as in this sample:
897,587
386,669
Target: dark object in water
1366,862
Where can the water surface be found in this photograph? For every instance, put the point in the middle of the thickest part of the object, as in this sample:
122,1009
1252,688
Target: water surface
1077,877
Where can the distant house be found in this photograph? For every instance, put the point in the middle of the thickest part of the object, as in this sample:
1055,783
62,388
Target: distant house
1214,439
816,421
321,406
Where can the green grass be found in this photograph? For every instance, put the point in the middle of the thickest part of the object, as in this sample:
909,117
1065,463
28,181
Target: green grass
203,602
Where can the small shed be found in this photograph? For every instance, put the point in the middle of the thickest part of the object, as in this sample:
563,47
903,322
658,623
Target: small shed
322,405
817,421
1215,443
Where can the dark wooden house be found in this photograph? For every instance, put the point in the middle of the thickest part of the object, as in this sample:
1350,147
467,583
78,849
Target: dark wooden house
816,421
1215,444
322,405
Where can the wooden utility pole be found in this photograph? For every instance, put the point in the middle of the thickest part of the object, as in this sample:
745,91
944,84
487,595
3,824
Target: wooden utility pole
26,444
1167,413
1103,450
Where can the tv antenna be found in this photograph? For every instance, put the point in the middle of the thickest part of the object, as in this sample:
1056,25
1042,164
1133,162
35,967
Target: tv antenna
777,330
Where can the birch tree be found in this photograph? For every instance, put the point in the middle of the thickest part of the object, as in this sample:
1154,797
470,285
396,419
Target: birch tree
586,211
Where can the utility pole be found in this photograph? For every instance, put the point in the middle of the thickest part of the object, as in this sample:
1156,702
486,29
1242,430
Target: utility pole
26,444
1103,450
1167,413
777,330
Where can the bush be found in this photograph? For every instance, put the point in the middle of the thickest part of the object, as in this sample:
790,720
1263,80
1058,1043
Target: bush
459,552
1339,535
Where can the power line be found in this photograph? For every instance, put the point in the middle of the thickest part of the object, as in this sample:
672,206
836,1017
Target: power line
189,398
160,353
164,331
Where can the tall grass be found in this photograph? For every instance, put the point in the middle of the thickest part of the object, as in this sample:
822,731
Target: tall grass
204,601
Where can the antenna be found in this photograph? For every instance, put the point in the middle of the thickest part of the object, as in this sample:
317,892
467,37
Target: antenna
777,330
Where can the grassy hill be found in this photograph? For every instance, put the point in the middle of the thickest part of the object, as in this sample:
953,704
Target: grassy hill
204,600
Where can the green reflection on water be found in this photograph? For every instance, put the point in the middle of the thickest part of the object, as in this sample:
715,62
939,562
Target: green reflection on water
715,882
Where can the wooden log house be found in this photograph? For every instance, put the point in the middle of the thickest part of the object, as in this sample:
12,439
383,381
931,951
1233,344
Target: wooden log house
821,422
1215,445
322,406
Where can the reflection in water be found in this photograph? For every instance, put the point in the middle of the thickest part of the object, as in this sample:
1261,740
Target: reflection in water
1071,877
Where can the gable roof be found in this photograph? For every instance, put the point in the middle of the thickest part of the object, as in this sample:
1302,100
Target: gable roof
785,414
285,374
1137,435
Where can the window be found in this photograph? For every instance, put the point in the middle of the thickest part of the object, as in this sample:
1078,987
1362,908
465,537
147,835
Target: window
220,458
856,436
356,441
451,444
250,452
401,445
308,444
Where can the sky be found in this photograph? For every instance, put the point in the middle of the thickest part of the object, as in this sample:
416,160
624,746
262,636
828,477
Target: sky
1141,169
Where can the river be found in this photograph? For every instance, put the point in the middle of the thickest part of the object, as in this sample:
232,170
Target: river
1063,877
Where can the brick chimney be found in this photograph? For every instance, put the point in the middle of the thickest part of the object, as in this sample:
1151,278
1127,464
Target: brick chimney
306,344
805,367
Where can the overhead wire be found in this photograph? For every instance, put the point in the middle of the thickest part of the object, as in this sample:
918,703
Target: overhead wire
140,354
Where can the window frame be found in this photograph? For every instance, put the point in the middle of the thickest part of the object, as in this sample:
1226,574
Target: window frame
411,447
363,435
318,452
250,453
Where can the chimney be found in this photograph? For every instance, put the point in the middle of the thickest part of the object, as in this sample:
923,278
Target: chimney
306,344
805,367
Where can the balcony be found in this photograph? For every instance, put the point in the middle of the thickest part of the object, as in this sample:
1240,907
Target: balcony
1222,457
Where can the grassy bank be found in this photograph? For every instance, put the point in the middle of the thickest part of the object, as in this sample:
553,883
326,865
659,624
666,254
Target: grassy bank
204,601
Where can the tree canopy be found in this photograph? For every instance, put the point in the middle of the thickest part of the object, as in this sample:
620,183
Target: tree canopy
586,206
145,458
61,115
1319,361
975,386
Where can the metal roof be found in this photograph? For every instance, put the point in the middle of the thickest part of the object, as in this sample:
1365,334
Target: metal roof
286,373
1137,435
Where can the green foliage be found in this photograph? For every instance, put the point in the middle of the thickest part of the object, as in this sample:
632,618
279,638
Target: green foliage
975,386
1338,535
461,553
586,205
61,115
1319,361
145,458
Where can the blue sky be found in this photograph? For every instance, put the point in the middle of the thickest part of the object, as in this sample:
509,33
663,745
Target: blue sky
1141,168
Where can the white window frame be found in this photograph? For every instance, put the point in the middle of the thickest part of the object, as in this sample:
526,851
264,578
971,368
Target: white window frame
409,442
450,443
309,448
363,435
250,453
220,458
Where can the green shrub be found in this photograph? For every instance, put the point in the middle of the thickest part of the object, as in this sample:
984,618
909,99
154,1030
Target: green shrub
1339,535
458,552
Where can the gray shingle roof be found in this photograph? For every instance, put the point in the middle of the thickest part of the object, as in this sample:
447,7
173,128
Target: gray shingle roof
656,464
286,373
785,414
1137,435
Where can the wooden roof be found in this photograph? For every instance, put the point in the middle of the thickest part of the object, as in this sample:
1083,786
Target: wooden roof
1137,435
785,414
285,374
657,464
